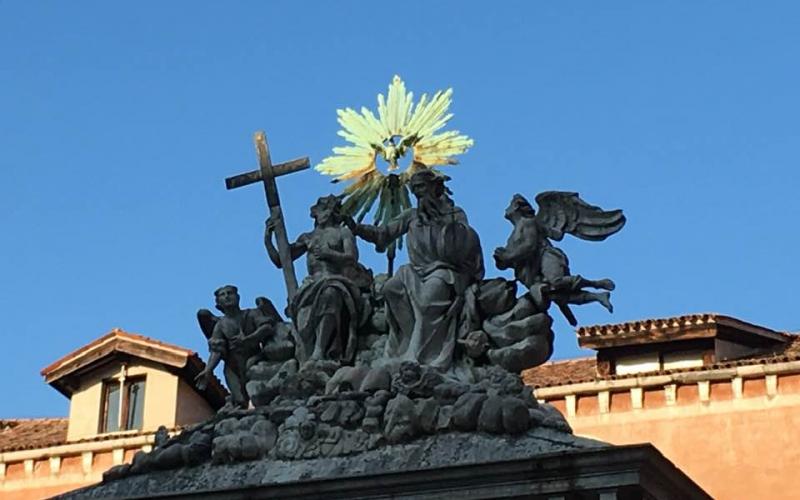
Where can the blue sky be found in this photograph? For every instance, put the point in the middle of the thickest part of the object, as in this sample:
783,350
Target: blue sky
119,122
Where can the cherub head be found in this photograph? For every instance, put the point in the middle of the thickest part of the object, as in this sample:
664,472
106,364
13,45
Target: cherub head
410,372
400,422
519,207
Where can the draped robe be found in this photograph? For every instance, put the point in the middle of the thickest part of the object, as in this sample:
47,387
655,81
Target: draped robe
425,297
331,288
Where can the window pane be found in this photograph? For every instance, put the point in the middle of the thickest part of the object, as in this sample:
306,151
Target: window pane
135,405
111,408
637,363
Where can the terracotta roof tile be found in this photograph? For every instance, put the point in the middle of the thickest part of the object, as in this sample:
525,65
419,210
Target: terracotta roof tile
647,324
656,324
185,362
574,371
114,333
33,433
29,433
568,371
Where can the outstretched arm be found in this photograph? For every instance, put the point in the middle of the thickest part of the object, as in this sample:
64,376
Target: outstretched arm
382,236
522,244
296,249
213,360
216,347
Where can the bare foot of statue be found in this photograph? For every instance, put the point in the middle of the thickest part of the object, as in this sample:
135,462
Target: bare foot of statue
605,300
605,284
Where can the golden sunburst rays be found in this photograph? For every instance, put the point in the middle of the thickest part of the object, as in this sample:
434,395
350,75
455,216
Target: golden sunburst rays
401,131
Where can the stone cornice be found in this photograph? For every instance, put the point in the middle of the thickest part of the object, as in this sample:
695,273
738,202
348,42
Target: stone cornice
657,380
691,326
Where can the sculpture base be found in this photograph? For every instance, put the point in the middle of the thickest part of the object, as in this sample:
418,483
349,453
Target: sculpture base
540,463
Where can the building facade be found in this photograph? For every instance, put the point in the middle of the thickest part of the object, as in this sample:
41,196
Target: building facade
717,396
122,388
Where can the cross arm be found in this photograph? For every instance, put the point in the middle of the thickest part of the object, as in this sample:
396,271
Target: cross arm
255,176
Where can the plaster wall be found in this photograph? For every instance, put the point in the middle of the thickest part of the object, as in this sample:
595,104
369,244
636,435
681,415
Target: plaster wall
43,482
682,359
637,363
191,407
735,443
84,409
39,492
45,472
160,397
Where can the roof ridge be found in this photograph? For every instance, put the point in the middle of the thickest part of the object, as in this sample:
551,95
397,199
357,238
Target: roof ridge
139,336
117,333
31,419
701,315
570,360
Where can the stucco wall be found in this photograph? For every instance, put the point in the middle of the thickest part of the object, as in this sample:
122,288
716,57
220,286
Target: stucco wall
84,407
192,407
45,472
160,397
38,492
737,443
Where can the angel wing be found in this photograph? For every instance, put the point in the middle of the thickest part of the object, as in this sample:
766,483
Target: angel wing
564,212
207,321
268,309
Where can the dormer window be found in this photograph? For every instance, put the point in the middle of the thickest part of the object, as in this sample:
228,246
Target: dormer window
122,405
649,362
110,381
681,343
639,363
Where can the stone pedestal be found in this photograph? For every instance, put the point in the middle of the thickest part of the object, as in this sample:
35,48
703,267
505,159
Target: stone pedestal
541,464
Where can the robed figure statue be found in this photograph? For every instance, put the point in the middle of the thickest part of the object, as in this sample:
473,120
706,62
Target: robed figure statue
329,306
425,297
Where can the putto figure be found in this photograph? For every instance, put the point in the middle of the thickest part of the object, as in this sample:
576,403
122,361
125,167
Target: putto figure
543,268
328,308
235,338
424,298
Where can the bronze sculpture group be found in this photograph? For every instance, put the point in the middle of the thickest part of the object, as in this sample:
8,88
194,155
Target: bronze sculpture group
369,360
373,360
437,311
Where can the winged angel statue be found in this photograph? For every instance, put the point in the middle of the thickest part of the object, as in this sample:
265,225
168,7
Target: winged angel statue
237,338
543,268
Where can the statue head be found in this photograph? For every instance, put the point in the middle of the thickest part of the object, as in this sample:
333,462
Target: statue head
431,193
400,422
519,206
426,182
410,372
161,437
226,297
327,210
